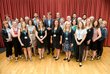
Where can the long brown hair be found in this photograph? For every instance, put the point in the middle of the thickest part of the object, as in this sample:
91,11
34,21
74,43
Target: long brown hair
98,25
54,23
41,24
82,25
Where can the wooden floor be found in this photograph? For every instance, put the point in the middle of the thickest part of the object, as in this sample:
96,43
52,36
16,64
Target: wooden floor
50,66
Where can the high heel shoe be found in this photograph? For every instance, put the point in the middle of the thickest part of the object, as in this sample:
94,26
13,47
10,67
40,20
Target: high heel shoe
54,56
68,60
80,64
65,59
56,59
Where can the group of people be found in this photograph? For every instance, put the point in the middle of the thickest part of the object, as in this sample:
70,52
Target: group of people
75,36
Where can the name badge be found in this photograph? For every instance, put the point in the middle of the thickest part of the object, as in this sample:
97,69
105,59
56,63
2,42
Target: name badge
66,38
25,37
41,37
54,35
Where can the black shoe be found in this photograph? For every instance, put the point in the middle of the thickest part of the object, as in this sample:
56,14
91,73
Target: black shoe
65,59
48,53
68,60
52,53
54,56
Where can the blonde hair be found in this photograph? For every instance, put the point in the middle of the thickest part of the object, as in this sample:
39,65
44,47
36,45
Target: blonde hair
105,22
23,25
65,27
41,24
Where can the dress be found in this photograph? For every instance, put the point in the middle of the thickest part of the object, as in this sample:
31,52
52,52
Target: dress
32,35
88,36
41,34
56,37
94,44
25,39
67,41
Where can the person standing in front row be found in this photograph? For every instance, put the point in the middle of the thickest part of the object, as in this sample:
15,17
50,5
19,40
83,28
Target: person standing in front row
7,40
88,39
101,41
56,39
48,24
67,40
80,36
96,36
24,39
16,44
41,35
32,30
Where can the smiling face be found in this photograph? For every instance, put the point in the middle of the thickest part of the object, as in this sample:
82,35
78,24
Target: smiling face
56,23
88,22
14,24
74,22
5,24
80,25
30,22
57,15
95,24
67,25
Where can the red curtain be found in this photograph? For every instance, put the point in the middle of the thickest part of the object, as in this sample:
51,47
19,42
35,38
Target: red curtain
21,8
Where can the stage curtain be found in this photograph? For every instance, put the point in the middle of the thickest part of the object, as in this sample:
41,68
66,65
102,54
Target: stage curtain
22,8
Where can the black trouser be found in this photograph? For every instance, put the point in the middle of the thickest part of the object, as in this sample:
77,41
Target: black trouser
79,51
48,44
8,46
17,47
100,47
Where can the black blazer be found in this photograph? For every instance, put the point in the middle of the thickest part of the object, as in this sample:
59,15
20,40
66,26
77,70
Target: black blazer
70,37
4,35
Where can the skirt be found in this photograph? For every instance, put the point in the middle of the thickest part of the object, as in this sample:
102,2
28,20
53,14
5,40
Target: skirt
94,45
67,46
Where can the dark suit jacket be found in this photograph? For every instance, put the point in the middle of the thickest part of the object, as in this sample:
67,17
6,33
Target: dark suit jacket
47,25
4,35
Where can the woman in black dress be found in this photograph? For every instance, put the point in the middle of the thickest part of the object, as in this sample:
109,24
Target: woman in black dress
67,40
24,39
41,35
7,40
88,39
56,38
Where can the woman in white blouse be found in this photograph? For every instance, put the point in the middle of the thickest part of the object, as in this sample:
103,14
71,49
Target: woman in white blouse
80,36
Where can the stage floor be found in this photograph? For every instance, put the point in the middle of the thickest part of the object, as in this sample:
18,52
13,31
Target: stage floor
50,66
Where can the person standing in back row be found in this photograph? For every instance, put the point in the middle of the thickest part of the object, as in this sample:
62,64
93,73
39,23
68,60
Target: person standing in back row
48,24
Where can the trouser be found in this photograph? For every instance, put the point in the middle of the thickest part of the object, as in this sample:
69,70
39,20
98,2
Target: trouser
100,47
17,47
8,46
79,51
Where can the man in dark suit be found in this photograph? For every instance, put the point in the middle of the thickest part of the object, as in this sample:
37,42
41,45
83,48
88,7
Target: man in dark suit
48,24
